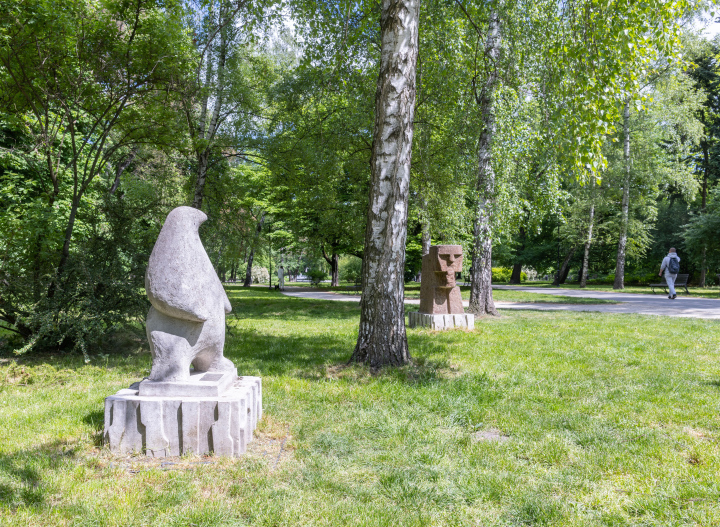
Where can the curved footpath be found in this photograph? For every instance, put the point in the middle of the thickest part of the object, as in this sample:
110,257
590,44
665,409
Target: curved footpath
631,303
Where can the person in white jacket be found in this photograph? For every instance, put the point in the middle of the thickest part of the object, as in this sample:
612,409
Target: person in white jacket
281,278
671,266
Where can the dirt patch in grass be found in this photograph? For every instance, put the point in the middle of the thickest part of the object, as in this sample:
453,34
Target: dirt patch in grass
491,434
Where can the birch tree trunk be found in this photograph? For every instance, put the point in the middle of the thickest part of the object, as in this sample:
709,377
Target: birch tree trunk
382,339
426,241
703,205
425,238
588,242
622,241
481,300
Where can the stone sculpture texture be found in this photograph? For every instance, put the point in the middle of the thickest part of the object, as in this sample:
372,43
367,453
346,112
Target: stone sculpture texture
440,299
177,410
439,294
186,323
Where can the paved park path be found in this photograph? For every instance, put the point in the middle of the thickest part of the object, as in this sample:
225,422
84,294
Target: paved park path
630,303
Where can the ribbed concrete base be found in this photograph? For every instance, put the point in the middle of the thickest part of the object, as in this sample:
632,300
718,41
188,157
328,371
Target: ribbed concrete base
171,426
438,322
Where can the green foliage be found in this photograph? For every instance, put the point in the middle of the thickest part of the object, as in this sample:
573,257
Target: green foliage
85,92
350,268
317,275
503,274
701,233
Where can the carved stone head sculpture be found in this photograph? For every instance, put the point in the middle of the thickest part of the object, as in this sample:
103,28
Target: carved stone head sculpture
438,293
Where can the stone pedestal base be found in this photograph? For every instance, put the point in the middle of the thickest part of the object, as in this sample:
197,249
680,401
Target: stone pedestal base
171,425
438,322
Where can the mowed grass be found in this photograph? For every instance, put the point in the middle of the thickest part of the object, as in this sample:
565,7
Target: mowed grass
607,420
412,291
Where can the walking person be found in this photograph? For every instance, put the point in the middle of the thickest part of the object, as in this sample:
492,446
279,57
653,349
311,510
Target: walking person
671,266
281,278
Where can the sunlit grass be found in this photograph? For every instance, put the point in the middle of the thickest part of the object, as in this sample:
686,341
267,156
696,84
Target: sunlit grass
611,420
412,291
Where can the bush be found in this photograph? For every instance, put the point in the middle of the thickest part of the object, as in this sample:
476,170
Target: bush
500,274
99,291
503,274
604,280
317,275
350,268
639,278
260,274
642,278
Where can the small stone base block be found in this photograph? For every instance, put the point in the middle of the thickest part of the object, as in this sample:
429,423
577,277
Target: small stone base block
171,426
200,384
438,322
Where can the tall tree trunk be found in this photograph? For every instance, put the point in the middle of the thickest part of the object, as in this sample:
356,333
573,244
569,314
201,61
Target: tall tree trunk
248,270
516,276
481,299
422,140
425,238
65,252
588,242
703,205
120,168
334,267
622,241
202,161
208,136
565,268
251,256
382,339
334,270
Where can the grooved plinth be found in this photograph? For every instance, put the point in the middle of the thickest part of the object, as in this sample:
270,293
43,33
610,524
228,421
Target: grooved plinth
438,322
163,426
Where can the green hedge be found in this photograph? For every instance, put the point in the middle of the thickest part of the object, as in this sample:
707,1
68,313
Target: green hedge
503,274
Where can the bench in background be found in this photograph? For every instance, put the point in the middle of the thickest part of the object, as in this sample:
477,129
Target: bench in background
680,282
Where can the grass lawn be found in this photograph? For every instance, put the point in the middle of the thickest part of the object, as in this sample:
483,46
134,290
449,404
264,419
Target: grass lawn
412,291
535,418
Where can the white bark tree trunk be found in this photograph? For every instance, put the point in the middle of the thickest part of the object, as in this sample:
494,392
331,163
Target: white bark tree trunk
481,299
622,241
703,205
382,339
588,243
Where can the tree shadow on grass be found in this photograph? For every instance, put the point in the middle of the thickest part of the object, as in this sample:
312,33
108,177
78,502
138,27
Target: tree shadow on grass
21,483
320,357
96,419
276,305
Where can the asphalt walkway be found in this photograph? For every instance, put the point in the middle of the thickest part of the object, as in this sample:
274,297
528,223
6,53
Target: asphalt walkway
630,303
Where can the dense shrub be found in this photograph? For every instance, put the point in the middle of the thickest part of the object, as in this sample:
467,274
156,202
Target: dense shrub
100,288
503,274
260,275
350,268
633,278
317,275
